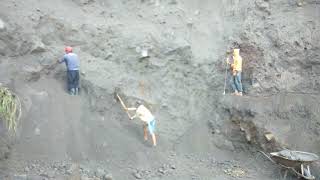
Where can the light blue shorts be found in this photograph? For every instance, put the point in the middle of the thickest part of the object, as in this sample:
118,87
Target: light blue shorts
152,126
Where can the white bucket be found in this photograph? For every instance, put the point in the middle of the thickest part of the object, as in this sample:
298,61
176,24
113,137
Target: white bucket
144,53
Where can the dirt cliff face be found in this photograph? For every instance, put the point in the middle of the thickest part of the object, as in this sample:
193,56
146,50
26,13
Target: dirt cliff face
181,79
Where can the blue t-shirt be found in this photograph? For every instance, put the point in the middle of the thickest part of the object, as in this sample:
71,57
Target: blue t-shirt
71,60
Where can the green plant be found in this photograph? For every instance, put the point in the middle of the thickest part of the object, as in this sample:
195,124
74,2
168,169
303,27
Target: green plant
10,108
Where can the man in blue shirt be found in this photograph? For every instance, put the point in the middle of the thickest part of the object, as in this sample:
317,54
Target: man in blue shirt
73,64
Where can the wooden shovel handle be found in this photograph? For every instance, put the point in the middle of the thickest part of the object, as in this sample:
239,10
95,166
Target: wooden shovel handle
123,105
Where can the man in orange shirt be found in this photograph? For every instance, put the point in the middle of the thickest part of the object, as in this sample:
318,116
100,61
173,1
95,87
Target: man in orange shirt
236,67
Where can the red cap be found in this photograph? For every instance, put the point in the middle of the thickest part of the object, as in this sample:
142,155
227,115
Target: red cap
68,49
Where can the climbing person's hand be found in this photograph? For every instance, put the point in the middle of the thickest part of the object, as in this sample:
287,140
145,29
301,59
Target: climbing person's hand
228,61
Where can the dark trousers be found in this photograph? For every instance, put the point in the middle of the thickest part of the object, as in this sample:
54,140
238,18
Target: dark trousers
73,79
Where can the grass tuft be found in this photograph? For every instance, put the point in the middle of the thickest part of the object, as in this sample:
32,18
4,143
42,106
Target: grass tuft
10,109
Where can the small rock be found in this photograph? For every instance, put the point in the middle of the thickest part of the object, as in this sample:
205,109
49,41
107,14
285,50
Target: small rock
190,22
215,131
2,25
26,169
269,136
100,172
51,174
88,172
62,164
161,170
109,55
37,131
248,136
137,175
299,4
256,85
71,168
33,166
172,166
108,177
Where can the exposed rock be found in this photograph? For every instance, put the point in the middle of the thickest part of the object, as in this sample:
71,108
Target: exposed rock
269,136
38,47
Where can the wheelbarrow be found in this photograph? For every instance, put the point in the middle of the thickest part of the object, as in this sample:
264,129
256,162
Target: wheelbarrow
296,161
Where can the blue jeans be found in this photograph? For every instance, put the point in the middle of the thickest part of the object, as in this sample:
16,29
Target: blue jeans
236,82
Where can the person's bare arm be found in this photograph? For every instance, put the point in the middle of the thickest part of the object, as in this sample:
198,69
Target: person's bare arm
132,109
61,60
134,116
228,60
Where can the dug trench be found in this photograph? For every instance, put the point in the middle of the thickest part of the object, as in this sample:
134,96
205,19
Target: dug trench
202,133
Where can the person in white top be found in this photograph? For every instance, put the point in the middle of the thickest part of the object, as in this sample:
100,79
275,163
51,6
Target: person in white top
149,121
